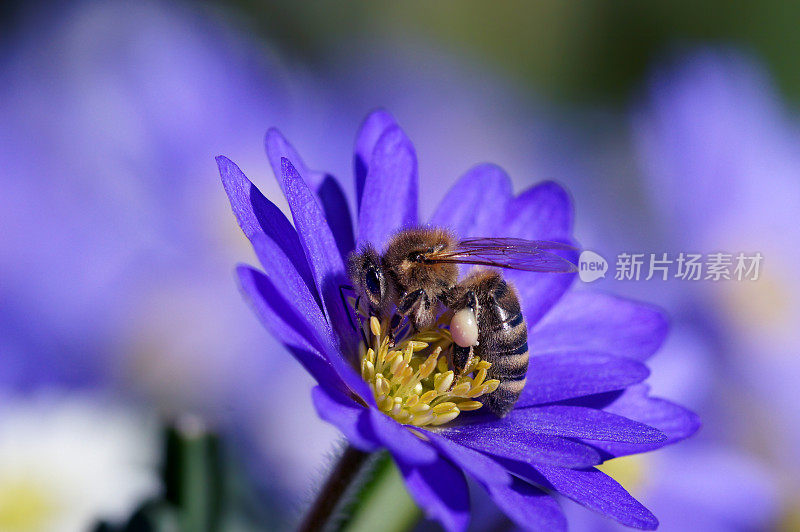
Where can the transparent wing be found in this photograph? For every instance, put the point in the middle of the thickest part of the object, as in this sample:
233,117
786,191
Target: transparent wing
511,253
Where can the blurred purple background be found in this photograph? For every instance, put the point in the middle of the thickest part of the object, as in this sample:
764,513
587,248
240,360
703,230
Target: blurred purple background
118,306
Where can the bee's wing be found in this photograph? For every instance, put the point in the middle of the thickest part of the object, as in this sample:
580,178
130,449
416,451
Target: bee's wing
511,253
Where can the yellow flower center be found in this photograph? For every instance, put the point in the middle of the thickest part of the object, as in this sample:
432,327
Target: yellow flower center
411,380
25,506
630,471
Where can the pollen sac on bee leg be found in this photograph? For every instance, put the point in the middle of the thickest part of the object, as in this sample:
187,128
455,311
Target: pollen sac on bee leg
464,328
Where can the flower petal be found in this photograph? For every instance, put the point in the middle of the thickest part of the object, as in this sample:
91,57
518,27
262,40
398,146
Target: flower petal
478,465
279,291
594,490
676,422
473,205
320,248
389,201
257,215
281,318
581,422
403,445
517,442
337,211
277,148
557,376
600,322
329,191
440,489
528,506
368,134
342,412
543,212
292,293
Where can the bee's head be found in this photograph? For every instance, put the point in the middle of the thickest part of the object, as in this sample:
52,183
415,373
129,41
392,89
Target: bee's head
407,257
368,278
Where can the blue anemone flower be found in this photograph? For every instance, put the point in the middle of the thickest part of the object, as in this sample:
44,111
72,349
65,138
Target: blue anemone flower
584,403
713,121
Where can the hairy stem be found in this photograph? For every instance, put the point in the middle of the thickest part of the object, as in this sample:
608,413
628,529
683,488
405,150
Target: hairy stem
343,474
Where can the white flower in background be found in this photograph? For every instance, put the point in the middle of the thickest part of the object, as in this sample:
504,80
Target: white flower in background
67,461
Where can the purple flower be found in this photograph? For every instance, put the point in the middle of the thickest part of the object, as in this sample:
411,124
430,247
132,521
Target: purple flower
584,401
714,121
111,250
695,487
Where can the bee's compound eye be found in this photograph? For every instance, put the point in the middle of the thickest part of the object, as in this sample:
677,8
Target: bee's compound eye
373,283
464,328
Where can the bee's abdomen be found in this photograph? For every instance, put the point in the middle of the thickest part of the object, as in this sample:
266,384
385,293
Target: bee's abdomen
503,341
509,357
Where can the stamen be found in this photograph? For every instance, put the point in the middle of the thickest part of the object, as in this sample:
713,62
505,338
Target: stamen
411,379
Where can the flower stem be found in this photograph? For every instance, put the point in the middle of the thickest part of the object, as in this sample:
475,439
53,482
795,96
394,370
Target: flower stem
193,475
345,471
382,502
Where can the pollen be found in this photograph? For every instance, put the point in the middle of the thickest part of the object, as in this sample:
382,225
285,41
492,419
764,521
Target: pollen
411,378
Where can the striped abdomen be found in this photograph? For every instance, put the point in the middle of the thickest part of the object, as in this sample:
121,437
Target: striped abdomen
502,338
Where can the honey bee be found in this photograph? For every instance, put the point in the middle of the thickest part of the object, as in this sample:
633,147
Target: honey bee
417,278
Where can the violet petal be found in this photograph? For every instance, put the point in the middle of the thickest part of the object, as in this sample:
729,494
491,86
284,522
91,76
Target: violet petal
282,319
581,422
389,201
345,414
399,440
368,134
321,250
528,506
337,211
290,298
327,188
294,294
440,489
473,204
676,422
518,442
257,215
593,489
478,465
557,376
543,212
600,322
277,148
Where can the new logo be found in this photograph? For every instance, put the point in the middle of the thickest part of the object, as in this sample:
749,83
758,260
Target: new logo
591,266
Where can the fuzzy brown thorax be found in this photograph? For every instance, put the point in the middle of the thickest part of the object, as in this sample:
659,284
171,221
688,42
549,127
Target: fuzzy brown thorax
404,260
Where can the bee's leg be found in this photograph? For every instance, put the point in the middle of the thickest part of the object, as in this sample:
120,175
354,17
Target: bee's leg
360,319
410,300
398,325
472,301
396,322
411,304
462,356
350,311
347,309
395,325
